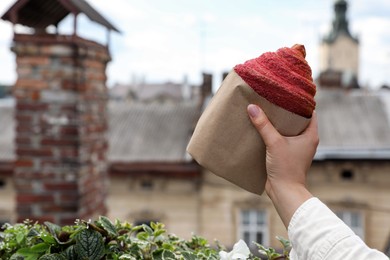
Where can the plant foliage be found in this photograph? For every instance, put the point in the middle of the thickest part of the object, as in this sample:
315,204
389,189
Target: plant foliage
104,239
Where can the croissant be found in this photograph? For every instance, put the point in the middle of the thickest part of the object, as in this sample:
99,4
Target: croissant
283,77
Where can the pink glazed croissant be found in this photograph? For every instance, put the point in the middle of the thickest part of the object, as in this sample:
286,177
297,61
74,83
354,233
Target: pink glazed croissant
283,77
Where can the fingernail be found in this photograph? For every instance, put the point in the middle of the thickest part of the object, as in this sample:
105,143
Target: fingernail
253,110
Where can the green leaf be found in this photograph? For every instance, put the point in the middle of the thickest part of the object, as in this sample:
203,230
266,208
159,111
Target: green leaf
153,225
28,254
168,246
65,238
89,245
162,254
147,229
53,257
143,236
70,253
19,238
54,231
17,256
127,257
188,256
285,242
159,232
32,233
40,248
25,251
53,228
269,252
108,226
48,239
136,228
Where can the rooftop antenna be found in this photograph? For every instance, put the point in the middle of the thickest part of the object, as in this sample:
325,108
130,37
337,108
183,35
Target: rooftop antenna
202,43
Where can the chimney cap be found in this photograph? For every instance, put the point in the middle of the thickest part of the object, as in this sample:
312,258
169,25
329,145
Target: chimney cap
39,14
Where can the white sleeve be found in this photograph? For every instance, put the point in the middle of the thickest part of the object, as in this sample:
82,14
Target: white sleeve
316,233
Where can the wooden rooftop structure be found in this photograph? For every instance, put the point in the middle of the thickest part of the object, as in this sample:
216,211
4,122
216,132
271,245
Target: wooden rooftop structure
39,14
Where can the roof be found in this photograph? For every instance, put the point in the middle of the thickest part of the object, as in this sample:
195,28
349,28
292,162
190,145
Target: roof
138,132
42,13
353,124
148,92
150,132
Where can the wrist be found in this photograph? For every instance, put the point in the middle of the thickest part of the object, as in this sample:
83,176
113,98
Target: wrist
287,191
283,187
287,197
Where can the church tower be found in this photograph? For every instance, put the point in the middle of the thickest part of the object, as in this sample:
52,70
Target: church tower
339,52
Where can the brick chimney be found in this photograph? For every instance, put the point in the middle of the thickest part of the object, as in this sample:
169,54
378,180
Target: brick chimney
206,88
61,114
61,145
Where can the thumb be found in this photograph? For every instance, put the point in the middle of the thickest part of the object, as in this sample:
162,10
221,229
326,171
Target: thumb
261,122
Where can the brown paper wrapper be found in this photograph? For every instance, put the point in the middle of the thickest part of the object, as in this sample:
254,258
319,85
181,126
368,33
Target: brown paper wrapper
226,143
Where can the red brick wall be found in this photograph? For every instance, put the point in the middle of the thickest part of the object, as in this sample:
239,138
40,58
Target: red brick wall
61,167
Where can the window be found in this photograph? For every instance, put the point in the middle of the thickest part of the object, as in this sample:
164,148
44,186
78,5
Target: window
354,220
2,183
253,227
147,184
347,175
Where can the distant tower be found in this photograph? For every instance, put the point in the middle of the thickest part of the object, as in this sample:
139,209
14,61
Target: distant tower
339,52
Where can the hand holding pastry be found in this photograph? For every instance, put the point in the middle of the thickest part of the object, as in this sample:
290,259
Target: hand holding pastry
288,160
225,141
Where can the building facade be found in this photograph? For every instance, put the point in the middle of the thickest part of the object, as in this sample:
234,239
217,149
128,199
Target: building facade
349,173
152,178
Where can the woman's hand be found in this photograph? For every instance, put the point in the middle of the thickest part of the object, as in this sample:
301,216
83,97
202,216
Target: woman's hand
288,160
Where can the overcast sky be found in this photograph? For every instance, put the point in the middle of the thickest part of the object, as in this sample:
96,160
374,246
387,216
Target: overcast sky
171,39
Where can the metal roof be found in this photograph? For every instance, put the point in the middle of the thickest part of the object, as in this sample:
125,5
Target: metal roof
137,132
42,13
335,153
151,132
352,125
148,92
352,118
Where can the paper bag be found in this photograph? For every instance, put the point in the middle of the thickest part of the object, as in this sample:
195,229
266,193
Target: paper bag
226,143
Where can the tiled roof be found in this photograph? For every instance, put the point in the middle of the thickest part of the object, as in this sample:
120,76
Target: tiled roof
138,132
352,119
353,122
352,125
148,92
154,132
